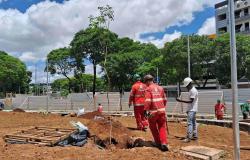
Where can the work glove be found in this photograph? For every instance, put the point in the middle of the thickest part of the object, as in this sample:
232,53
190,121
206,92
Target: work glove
129,105
147,114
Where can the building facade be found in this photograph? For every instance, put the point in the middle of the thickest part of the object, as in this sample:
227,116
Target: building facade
242,17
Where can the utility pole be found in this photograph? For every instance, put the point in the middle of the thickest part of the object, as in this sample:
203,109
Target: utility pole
35,80
189,72
47,70
157,75
234,81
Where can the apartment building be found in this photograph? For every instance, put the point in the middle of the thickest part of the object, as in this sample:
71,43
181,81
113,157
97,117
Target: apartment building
242,17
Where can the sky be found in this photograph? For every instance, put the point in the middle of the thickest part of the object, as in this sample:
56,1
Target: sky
30,29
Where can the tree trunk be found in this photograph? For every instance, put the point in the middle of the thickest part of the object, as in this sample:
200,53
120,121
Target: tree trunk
69,88
205,83
94,80
120,100
179,88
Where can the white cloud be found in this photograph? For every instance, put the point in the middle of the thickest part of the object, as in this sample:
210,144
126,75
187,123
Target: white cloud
208,27
30,57
89,70
49,25
166,38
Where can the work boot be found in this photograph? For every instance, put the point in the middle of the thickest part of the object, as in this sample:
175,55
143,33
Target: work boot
164,148
194,138
186,140
155,145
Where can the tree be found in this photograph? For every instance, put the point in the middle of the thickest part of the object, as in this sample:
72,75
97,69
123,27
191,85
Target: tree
96,41
122,67
222,50
175,59
60,62
202,55
130,59
14,76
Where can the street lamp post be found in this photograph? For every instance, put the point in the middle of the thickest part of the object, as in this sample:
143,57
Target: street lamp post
157,75
234,80
189,72
47,70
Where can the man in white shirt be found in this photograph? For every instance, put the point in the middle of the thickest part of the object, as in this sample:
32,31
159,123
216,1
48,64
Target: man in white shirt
191,110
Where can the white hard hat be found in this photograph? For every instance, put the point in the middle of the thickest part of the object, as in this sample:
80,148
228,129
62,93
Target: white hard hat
187,81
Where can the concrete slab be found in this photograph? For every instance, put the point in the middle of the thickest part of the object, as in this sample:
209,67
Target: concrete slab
202,152
195,155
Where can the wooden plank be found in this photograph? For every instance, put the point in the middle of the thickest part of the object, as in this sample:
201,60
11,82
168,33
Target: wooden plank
55,128
29,137
40,135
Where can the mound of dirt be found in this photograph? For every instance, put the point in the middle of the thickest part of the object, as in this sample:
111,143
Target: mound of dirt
107,130
18,110
91,115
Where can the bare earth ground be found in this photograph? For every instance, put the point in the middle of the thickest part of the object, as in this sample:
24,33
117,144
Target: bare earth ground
210,136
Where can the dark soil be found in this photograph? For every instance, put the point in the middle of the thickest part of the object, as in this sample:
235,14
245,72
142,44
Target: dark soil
18,110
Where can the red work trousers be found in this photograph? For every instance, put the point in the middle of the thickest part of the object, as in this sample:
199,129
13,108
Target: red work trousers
141,120
157,125
219,117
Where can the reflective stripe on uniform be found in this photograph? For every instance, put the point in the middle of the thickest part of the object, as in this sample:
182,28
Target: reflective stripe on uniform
157,110
155,100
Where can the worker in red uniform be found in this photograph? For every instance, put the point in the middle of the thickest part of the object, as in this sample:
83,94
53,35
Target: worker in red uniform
137,98
100,108
219,109
155,104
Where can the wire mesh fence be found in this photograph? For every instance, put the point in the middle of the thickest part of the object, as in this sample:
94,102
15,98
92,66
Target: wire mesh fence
117,102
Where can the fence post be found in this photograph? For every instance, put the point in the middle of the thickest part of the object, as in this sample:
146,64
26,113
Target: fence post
71,103
47,103
120,101
28,103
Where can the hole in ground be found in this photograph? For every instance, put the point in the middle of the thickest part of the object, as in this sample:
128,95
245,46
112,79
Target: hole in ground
130,143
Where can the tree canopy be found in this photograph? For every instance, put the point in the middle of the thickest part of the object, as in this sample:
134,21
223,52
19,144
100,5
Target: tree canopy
14,76
121,57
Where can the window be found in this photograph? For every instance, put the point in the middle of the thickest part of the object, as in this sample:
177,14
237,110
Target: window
247,26
237,28
222,17
222,30
246,12
237,14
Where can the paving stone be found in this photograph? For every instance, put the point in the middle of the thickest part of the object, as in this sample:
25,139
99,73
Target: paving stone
202,152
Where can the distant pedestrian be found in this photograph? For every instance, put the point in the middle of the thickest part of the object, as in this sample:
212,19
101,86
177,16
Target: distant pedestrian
245,109
100,108
191,110
155,109
1,106
137,99
219,109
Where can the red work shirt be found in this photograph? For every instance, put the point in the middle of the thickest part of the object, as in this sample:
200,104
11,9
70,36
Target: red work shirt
137,94
155,98
219,109
100,109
